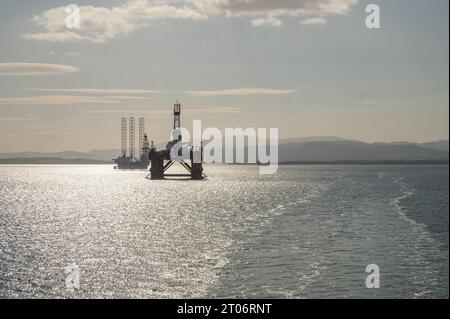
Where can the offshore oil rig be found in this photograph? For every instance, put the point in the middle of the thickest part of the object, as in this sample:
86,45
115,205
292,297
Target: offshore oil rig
189,157
186,155
133,160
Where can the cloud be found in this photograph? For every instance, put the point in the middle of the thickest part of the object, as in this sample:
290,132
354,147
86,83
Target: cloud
269,21
64,100
314,21
118,111
271,12
242,91
199,110
50,135
63,36
28,69
17,118
126,97
274,7
100,24
98,91
212,110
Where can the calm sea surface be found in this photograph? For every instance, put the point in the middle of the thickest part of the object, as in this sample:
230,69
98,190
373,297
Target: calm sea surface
306,232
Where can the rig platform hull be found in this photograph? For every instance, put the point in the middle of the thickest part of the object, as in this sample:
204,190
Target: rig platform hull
125,163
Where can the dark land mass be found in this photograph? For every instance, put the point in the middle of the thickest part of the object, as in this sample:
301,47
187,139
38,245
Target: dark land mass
304,151
420,162
354,162
51,160
56,160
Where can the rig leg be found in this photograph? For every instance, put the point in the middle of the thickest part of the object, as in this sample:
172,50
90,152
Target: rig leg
197,171
157,168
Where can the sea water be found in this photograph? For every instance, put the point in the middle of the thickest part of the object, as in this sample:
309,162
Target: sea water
305,232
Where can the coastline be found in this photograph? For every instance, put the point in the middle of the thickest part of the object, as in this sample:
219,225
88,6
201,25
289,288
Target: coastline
78,161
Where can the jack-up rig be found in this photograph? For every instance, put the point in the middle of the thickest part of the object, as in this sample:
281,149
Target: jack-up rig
130,160
162,160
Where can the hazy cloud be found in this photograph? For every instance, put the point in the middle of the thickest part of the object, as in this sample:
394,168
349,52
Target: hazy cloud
242,91
120,111
28,69
99,24
63,100
17,118
126,97
269,21
213,110
50,135
98,91
270,12
198,110
314,21
274,7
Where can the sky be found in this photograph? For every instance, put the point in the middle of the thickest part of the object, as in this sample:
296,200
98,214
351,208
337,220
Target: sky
308,68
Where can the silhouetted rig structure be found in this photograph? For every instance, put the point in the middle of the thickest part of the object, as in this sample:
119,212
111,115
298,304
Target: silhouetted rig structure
160,160
130,160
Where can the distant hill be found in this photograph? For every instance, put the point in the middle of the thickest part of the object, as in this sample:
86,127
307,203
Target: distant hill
442,145
438,145
102,155
311,139
353,150
50,160
315,148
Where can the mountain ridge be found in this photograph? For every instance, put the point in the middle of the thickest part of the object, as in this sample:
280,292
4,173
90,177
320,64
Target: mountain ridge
314,148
